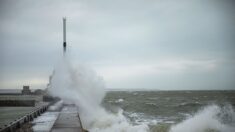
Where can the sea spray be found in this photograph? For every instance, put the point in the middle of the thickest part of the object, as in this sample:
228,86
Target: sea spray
84,88
210,119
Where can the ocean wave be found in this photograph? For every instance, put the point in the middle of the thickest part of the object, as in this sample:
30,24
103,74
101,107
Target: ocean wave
189,104
153,98
111,122
212,118
151,104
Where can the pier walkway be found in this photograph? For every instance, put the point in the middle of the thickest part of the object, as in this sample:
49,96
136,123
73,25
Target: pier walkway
68,120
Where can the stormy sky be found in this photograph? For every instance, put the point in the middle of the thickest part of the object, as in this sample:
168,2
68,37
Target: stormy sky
132,44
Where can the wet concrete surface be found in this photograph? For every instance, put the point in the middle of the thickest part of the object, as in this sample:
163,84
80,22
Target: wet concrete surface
68,120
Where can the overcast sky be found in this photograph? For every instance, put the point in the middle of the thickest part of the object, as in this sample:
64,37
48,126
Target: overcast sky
146,44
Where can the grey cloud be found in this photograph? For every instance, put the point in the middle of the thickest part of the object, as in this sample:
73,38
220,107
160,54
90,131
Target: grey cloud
108,33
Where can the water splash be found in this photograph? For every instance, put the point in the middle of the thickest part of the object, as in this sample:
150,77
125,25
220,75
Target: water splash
86,89
212,118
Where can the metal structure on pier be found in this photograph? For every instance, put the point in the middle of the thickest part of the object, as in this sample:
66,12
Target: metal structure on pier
64,35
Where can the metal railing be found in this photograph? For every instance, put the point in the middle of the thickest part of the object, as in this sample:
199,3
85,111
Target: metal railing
18,123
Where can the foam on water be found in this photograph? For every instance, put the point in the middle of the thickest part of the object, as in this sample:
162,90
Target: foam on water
119,100
210,119
84,88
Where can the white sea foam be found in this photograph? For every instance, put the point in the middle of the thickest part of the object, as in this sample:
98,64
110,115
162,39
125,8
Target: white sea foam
211,118
84,88
116,123
119,100
57,106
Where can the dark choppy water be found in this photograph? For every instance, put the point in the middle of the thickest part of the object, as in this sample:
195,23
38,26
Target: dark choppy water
163,111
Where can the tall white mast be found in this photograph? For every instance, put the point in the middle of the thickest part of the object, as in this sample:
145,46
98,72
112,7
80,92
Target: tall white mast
64,34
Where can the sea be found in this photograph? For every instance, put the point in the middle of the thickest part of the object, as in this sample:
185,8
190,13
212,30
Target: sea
176,111
141,111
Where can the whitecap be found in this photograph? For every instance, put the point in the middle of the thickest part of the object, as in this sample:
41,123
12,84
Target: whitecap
206,120
119,101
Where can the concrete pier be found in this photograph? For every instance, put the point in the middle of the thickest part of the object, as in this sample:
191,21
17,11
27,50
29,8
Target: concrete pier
68,120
